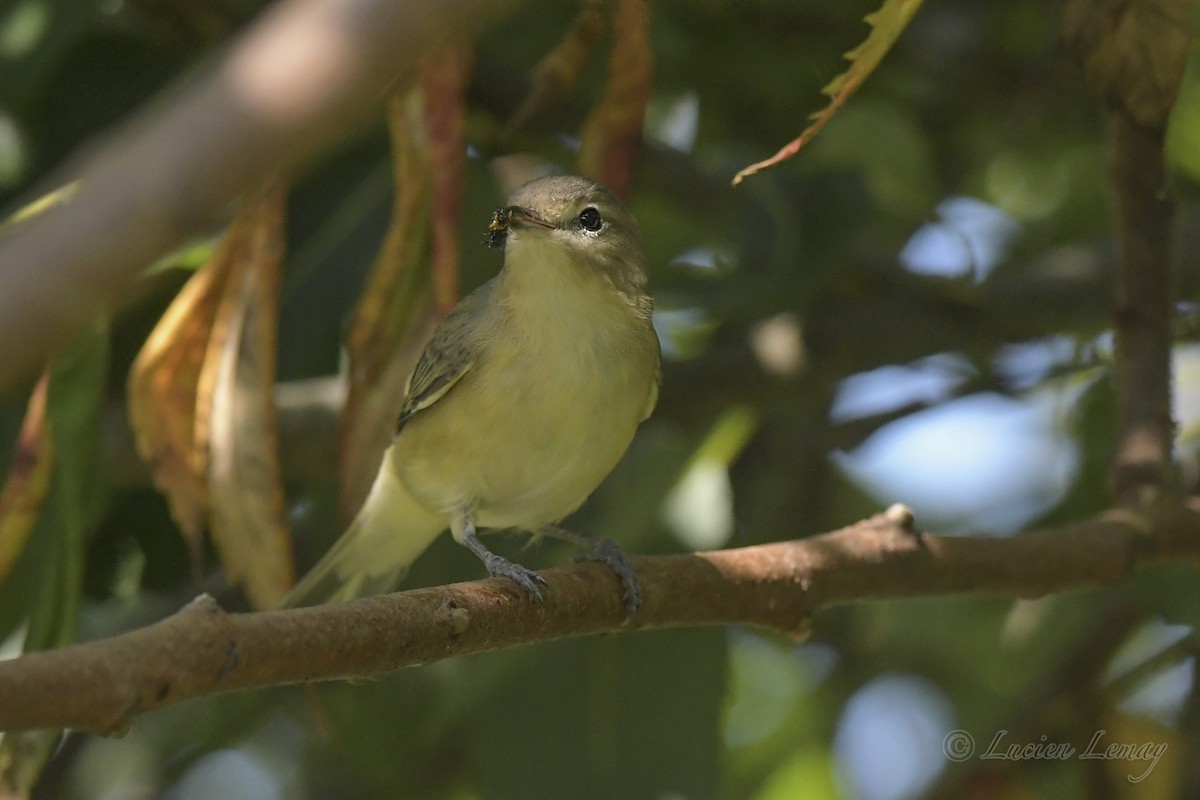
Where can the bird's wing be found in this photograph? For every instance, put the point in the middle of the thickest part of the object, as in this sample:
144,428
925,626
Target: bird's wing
656,383
450,354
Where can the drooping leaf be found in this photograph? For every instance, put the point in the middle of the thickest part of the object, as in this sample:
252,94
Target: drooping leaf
886,26
396,312
28,480
202,409
74,400
245,485
73,397
164,382
559,69
443,81
1133,51
612,133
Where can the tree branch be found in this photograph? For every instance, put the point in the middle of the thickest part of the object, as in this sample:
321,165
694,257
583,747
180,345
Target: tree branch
1145,311
100,686
299,76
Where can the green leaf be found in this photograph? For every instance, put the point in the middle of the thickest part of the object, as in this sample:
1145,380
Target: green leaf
74,401
886,26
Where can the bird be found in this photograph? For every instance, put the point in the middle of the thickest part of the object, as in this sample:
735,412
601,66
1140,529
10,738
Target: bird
525,398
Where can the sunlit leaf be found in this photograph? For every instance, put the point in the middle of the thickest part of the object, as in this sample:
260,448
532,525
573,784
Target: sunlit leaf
807,774
28,480
1133,51
245,486
202,410
886,26
612,133
559,69
396,312
1139,754
42,204
170,432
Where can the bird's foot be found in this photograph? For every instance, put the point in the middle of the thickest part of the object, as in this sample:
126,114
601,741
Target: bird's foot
607,552
498,566
527,579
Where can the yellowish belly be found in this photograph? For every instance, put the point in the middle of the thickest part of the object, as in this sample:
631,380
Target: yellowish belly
522,443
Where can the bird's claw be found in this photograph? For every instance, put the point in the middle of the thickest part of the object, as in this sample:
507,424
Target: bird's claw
527,579
607,552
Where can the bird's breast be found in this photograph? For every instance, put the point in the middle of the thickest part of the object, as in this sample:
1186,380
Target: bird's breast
544,415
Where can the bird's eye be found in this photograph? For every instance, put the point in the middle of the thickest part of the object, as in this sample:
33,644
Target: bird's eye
590,220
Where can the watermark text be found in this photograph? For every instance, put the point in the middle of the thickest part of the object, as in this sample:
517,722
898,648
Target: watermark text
960,746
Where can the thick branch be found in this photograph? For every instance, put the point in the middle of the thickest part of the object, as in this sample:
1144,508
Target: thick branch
202,650
300,75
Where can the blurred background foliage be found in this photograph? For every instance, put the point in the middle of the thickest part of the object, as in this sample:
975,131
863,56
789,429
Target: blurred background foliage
916,309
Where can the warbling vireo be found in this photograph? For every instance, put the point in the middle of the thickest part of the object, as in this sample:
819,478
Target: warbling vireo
523,401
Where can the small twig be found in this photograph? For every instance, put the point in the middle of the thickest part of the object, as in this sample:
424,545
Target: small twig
202,650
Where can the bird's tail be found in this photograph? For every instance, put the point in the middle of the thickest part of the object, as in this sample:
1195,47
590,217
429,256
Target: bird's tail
389,533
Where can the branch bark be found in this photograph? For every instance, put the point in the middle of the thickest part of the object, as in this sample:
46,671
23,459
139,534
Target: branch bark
1145,310
1134,55
100,686
298,77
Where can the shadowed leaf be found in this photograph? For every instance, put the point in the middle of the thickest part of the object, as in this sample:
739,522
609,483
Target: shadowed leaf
28,480
612,133
396,313
1133,51
886,26
559,69
443,82
70,397
244,479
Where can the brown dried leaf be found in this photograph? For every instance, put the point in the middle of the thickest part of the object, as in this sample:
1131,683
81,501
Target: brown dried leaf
559,69
163,386
245,483
396,312
612,133
1133,51
886,26
28,479
444,81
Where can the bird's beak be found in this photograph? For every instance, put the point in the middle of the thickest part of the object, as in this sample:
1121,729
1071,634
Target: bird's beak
523,217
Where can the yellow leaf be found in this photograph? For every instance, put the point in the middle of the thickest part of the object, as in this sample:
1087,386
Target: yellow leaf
44,203
886,26
1143,758
245,485
28,480
163,390
201,405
